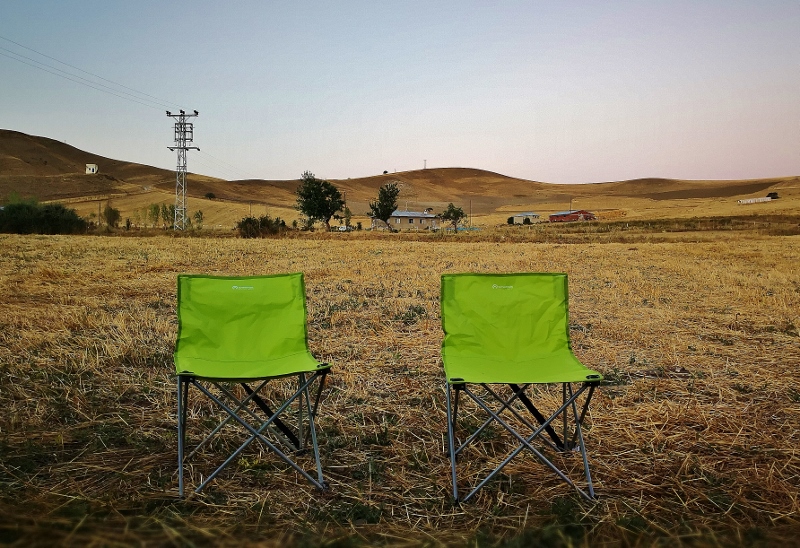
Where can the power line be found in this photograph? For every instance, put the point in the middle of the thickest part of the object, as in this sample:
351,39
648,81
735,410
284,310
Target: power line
81,80
78,81
157,100
211,167
230,166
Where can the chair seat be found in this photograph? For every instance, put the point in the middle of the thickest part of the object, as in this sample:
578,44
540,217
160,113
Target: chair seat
301,362
541,368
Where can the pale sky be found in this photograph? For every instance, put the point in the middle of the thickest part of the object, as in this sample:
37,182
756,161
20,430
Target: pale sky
557,91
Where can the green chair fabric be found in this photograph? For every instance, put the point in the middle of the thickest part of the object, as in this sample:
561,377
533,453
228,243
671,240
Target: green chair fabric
242,327
235,330
513,329
508,328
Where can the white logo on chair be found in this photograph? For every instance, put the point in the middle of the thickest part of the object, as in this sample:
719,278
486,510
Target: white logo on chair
495,286
242,287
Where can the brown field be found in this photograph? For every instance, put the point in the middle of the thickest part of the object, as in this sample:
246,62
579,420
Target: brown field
693,438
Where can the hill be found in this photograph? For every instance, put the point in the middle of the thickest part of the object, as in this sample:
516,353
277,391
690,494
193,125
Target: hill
51,170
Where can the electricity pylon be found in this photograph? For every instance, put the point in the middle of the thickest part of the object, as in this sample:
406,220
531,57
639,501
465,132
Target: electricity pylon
184,133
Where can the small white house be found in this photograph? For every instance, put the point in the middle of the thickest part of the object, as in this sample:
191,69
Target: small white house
91,169
519,218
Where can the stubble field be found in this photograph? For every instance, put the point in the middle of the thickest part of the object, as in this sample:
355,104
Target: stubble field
692,438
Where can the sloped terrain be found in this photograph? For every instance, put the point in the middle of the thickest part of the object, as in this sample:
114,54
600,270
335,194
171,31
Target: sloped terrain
51,170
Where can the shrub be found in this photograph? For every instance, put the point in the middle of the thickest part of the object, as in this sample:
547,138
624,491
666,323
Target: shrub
510,221
526,221
251,227
32,218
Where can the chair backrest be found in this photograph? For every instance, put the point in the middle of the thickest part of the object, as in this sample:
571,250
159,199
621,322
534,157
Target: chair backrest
233,326
508,316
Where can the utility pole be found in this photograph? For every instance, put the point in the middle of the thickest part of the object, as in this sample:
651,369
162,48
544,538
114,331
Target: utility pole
184,133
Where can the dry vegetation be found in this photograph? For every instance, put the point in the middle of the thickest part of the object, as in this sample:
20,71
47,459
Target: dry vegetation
693,438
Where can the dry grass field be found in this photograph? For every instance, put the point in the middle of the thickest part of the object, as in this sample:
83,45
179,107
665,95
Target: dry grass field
693,438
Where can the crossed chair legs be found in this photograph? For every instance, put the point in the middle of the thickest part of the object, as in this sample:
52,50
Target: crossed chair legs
568,441
242,410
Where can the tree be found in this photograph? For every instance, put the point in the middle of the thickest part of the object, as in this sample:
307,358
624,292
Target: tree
318,200
154,212
386,204
453,215
198,218
111,215
510,221
165,216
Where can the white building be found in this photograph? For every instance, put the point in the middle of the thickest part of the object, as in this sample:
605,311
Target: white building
413,220
519,218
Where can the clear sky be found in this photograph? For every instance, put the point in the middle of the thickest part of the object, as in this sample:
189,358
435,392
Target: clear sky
558,91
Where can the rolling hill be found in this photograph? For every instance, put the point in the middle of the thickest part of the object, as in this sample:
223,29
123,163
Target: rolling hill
50,170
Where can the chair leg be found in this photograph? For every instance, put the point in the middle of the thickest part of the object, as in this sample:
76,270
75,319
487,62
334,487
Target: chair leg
301,439
182,403
451,441
579,434
312,426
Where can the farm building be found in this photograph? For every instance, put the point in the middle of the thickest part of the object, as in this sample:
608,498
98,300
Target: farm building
91,169
768,198
572,215
415,220
519,218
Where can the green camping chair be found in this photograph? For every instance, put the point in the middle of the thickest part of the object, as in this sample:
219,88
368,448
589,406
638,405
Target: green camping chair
513,329
239,339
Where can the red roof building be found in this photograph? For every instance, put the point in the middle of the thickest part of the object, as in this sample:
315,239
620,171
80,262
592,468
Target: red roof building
572,215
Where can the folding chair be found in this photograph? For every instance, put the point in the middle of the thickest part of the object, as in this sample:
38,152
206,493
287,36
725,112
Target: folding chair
513,329
239,338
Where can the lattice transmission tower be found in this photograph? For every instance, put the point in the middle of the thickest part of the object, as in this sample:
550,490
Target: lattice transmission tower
184,134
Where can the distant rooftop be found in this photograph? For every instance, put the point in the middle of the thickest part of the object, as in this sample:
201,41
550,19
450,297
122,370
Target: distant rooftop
421,214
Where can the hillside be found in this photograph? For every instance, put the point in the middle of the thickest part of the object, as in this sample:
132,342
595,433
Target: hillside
51,170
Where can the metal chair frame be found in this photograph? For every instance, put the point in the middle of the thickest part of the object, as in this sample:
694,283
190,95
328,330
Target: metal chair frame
571,437
294,440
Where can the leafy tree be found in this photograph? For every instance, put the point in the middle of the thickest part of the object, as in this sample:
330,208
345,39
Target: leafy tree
510,221
165,216
386,204
198,218
318,200
111,215
210,195
453,215
526,221
154,212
